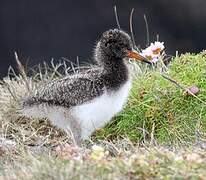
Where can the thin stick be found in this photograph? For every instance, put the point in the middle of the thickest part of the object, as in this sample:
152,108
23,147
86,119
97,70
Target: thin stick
147,29
173,81
131,30
116,17
185,89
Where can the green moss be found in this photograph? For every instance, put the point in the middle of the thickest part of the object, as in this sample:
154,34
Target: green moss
159,108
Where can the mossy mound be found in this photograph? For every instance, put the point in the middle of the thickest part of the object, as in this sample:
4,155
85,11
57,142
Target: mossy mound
159,110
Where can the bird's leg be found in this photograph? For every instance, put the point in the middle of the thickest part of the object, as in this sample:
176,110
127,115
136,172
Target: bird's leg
74,130
69,132
75,136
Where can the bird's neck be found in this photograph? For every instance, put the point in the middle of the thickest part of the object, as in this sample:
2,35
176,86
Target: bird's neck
115,73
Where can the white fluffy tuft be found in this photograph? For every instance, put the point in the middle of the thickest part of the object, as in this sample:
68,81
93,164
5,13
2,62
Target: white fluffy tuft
99,111
89,116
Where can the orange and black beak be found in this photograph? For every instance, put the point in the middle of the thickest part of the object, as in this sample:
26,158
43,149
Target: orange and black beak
138,57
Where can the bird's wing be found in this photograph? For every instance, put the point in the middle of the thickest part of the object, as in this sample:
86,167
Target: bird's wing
70,91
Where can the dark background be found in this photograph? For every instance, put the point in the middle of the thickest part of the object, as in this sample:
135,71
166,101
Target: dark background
40,30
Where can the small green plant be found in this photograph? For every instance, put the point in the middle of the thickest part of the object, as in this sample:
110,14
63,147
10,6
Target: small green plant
160,110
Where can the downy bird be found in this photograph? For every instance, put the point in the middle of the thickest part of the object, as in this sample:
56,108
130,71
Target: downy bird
84,102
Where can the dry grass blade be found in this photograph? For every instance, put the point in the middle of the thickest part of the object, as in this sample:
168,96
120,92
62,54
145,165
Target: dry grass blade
22,71
10,91
131,30
147,29
116,17
78,65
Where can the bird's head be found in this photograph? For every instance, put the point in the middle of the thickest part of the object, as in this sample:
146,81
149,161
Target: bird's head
117,44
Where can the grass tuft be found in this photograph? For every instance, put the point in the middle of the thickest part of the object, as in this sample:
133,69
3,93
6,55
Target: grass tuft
160,111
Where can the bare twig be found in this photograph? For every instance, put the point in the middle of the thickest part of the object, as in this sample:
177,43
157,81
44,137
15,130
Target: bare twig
183,88
173,81
116,17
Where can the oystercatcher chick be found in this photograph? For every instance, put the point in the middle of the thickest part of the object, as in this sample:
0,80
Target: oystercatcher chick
83,102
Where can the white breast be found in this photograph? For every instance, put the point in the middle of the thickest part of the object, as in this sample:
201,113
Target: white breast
98,112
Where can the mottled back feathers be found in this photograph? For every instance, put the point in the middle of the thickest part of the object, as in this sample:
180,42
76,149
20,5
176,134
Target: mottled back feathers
69,91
